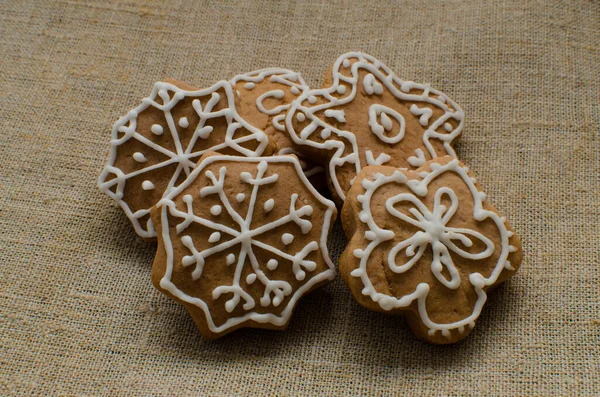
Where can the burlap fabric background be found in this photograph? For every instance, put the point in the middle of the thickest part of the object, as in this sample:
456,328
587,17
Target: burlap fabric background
78,315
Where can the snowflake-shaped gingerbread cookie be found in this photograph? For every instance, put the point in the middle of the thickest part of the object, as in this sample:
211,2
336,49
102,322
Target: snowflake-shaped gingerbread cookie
265,97
156,145
366,115
241,240
426,244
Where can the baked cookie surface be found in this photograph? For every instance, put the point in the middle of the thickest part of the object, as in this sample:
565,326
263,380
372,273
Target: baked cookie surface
426,244
156,145
265,96
241,240
366,115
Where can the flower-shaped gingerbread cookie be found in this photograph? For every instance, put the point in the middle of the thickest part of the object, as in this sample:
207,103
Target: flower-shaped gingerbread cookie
241,240
156,145
265,96
426,244
366,115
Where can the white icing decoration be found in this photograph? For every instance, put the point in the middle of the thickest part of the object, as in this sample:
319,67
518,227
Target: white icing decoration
147,185
343,143
339,115
380,129
215,210
156,129
269,204
432,232
285,77
247,237
417,160
287,238
448,127
278,94
307,171
185,158
312,99
139,157
183,122
300,117
371,85
296,85
272,264
425,114
380,160
216,236
230,259
240,197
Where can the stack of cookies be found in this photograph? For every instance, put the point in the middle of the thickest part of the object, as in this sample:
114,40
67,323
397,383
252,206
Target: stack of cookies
229,180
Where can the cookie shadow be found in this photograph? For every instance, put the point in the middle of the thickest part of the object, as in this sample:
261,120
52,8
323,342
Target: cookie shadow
389,341
185,340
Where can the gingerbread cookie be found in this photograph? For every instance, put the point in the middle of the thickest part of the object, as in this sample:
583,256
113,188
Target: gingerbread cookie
265,96
156,145
241,241
426,244
366,115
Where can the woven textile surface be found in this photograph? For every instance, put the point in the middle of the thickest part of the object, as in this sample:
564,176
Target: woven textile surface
78,313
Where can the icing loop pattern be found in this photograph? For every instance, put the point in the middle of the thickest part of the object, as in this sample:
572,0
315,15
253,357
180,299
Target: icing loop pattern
233,244
390,116
439,237
167,134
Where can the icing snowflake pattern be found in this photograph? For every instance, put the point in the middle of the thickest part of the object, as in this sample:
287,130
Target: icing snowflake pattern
317,119
432,231
242,240
186,124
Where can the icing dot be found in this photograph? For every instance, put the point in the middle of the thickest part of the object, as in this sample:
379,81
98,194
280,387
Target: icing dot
249,85
240,197
147,185
269,204
294,90
215,210
448,127
230,259
251,278
312,99
287,238
157,129
346,63
204,132
183,122
341,89
272,264
216,236
139,157
326,133
300,117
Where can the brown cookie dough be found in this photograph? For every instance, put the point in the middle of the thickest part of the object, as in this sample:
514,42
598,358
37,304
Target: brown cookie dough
426,244
265,96
156,145
241,241
365,115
